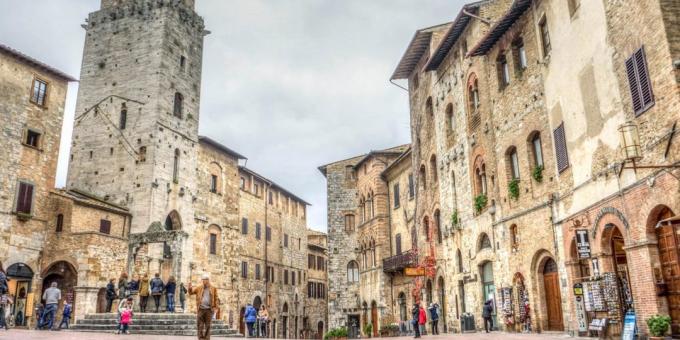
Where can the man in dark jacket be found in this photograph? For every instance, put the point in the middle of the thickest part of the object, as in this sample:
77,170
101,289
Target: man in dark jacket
415,313
110,295
157,286
434,317
487,310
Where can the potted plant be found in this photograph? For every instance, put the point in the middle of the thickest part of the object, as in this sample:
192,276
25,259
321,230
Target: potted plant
480,202
336,334
368,329
537,174
513,188
658,326
390,330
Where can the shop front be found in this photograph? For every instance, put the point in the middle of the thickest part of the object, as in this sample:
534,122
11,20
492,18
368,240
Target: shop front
20,286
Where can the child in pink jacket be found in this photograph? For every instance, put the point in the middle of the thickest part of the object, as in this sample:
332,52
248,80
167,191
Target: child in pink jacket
125,320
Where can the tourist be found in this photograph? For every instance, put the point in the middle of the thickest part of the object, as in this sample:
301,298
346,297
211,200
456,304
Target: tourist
122,306
51,296
110,295
122,286
39,314
251,317
133,285
486,314
143,292
125,319
422,320
66,315
415,314
170,289
263,318
182,296
434,317
156,287
206,301
6,302
3,297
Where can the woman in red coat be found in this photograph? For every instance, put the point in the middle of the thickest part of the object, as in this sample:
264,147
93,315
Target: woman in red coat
422,320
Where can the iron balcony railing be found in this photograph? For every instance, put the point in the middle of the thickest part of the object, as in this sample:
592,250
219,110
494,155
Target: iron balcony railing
399,262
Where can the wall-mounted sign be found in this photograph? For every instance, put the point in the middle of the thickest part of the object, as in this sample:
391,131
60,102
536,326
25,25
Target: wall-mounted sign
596,267
629,326
578,289
414,271
581,314
582,244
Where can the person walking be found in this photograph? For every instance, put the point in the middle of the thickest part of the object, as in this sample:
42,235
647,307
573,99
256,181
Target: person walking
156,287
122,286
487,310
39,314
170,289
434,318
263,318
51,296
110,295
415,316
422,320
182,296
125,319
3,297
66,315
206,301
251,317
143,292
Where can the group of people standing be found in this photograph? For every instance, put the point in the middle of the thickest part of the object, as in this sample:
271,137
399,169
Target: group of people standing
256,321
419,319
144,288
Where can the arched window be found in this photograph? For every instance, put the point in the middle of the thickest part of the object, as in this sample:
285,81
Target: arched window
371,206
426,228
60,223
438,225
178,107
214,233
175,167
459,261
513,162
484,242
364,256
480,176
362,208
352,272
422,176
215,178
514,240
414,238
123,117
450,121
433,168
503,71
536,148
374,258
473,102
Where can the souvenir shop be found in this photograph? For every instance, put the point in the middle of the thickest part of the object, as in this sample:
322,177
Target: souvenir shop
514,306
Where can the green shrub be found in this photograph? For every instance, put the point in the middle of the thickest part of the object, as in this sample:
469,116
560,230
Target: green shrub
513,188
340,332
480,202
368,329
658,324
537,174
455,221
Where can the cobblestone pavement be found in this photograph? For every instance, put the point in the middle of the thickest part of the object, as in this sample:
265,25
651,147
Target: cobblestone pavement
66,335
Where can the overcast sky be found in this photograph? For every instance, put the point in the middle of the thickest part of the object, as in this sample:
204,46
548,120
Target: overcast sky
290,84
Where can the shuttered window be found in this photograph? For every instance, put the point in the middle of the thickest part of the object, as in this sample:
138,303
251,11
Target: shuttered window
105,226
25,198
561,148
638,80
244,226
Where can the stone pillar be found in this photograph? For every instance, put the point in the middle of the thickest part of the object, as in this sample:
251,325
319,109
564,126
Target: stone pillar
85,302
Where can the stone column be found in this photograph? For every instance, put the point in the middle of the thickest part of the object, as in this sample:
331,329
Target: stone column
85,302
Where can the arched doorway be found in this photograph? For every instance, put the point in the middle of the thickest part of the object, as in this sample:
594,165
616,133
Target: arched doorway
20,277
66,277
319,330
553,298
374,318
442,302
428,292
284,321
257,302
242,321
488,288
403,316
666,230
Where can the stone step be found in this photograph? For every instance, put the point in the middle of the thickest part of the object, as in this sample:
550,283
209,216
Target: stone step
142,322
213,333
177,316
151,323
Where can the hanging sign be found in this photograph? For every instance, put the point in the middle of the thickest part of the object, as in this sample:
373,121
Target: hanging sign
596,267
582,244
414,271
578,289
629,326
581,314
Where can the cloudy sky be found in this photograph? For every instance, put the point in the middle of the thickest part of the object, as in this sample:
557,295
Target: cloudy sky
291,84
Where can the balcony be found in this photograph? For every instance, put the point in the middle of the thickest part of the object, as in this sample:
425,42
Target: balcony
397,263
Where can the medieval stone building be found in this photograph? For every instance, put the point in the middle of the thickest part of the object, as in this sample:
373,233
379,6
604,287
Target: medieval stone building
315,320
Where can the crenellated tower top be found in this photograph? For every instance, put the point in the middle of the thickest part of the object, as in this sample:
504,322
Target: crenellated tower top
114,3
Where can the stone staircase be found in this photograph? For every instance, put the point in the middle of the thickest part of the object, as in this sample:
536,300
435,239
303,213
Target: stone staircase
152,323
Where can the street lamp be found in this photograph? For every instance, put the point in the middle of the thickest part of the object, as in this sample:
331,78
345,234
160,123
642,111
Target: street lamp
632,149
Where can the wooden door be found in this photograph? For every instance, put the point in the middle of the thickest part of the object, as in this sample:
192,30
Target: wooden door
670,266
553,299
374,319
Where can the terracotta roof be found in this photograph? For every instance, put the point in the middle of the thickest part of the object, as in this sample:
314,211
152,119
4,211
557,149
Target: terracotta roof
392,165
86,198
498,30
219,146
397,150
36,63
415,50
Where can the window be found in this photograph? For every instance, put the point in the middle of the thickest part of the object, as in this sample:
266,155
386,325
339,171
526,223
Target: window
561,148
438,225
397,243
24,203
311,262
285,277
352,272
213,183
536,149
414,237
244,269
270,274
480,176
513,236
39,92
242,184
292,278
268,233
60,223
285,240
422,174
32,138
426,228
513,161
396,195
182,63
473,93
105,226
349,223
545,36
142,154
638,82
258,231
244,226
179,105
519,54
258,276
450,122
459,260
257,189
433,167
122,122
484,242
411,186
503,71
319,263
271,198
213,244
175,167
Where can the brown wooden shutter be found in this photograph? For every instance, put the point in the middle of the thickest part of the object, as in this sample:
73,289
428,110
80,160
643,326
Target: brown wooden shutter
105,226
561,148
639,82
25,198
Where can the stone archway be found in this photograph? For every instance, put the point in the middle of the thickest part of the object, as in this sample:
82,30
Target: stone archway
164,243
20,284
65,275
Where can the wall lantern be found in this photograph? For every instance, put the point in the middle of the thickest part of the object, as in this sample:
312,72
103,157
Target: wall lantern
632,149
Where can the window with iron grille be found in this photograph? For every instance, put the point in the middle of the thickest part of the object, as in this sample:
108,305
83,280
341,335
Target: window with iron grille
105,226
561,148
39,92
639,83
